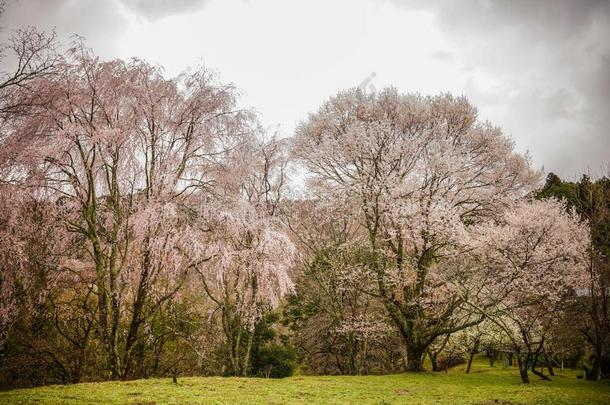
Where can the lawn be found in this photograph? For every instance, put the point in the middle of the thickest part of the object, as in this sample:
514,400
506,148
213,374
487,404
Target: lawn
483,385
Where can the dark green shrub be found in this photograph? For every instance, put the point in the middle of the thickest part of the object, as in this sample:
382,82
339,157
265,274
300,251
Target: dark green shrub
275,361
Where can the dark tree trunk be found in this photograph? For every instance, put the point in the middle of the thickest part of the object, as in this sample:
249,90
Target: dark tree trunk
549,365
415,359
137,317
80,364
595,374
491,355
522,363
474,351
538,373
434,360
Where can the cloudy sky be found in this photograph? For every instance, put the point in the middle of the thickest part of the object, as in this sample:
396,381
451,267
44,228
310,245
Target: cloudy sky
538,69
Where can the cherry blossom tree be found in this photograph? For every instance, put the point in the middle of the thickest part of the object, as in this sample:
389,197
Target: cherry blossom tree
250,254
265,181
31,54
125,150
338,323
34,56
421,169
533,259
247,274
31,256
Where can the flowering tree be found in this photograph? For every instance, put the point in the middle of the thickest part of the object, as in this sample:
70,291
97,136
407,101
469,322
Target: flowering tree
533,265
338,324
35,57
10,261
123,151
249,255
421,170
33,251
247,274
265,182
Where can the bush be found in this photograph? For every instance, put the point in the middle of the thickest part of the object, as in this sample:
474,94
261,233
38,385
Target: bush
275,361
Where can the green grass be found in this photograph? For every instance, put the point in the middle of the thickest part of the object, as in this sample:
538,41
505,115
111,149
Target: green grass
483,385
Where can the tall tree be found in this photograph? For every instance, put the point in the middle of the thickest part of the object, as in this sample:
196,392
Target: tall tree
340,326
125,151
531,268
250,253
421,170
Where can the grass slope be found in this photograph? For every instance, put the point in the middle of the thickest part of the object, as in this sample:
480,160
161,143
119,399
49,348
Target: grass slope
483,386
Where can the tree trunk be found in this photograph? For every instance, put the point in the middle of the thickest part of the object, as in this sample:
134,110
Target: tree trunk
595,374
474,350
549,365
491,355
538,373
137,319
415,359
522,363
80,364
246,361
433,359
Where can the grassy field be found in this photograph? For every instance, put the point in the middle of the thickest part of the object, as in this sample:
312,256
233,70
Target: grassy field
483,386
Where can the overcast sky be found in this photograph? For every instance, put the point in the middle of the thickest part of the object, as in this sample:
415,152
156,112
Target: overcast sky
538,69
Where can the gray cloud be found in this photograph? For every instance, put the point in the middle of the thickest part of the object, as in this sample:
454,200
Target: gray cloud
553,57
548,19
155,9
99,22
